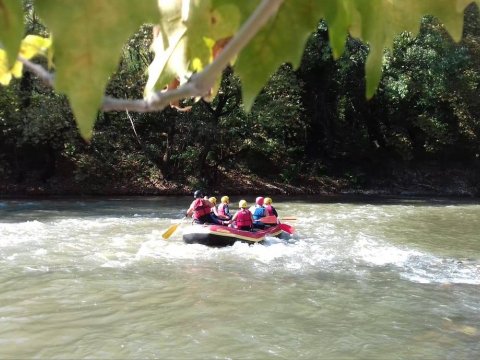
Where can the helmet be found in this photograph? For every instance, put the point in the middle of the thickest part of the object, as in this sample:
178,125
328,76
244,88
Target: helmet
198,194
242,204
267,201
225,199
213,200
259,201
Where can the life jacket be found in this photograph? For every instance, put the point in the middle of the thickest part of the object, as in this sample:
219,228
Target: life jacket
200,209
269,210
223,210
244,218
259,213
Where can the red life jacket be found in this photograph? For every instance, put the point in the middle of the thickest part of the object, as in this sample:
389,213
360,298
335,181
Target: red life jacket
244,218
200,209
269,209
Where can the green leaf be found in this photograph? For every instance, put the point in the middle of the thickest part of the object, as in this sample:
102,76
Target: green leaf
170,48
338,15
209,21
11,28
373,70
185,39
376,22
281,40
380,21
88,38
450,13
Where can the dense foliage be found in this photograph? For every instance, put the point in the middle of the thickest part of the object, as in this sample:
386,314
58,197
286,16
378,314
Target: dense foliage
307,122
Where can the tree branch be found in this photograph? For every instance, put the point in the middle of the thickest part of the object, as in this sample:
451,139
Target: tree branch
249,29
201,83
208,106
38,70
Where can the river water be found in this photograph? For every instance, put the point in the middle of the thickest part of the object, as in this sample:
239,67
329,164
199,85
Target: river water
361,279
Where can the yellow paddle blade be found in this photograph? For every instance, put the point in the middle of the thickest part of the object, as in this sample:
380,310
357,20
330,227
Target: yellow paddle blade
169,232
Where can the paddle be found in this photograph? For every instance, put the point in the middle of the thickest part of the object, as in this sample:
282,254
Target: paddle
272,219
287,228
169,232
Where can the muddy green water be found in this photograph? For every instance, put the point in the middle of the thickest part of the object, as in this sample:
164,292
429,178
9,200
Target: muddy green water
369,279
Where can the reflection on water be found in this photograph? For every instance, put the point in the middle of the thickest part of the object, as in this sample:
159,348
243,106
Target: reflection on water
390,279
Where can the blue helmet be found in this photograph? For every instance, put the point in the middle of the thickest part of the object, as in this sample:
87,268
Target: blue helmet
198,194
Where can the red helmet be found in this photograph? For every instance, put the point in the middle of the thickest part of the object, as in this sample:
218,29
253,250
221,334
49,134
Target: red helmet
259,200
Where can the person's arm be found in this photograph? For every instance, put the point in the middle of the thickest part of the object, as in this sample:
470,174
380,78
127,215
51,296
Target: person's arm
190,210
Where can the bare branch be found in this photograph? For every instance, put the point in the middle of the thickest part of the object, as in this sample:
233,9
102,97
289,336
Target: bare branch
157,102
133,127
38,70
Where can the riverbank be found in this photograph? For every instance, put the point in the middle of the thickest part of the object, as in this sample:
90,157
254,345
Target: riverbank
434,182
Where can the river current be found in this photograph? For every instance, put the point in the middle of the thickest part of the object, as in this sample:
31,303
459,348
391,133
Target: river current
361,279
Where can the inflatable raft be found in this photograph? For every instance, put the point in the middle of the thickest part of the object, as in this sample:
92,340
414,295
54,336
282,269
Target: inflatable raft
218,236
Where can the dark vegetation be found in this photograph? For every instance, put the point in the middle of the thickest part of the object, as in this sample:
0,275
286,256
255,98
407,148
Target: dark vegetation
311,130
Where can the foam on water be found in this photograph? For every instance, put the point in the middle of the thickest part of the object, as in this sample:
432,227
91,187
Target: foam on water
12,234
329,245
415,265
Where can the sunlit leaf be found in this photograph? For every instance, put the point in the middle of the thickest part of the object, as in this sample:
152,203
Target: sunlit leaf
33,45
6,73
169,45
208,24
184,43
30,47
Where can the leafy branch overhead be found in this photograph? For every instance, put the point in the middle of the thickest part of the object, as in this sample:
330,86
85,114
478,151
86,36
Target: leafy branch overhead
196,39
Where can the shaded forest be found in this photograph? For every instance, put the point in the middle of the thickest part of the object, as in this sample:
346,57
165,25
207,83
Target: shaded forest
311,130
